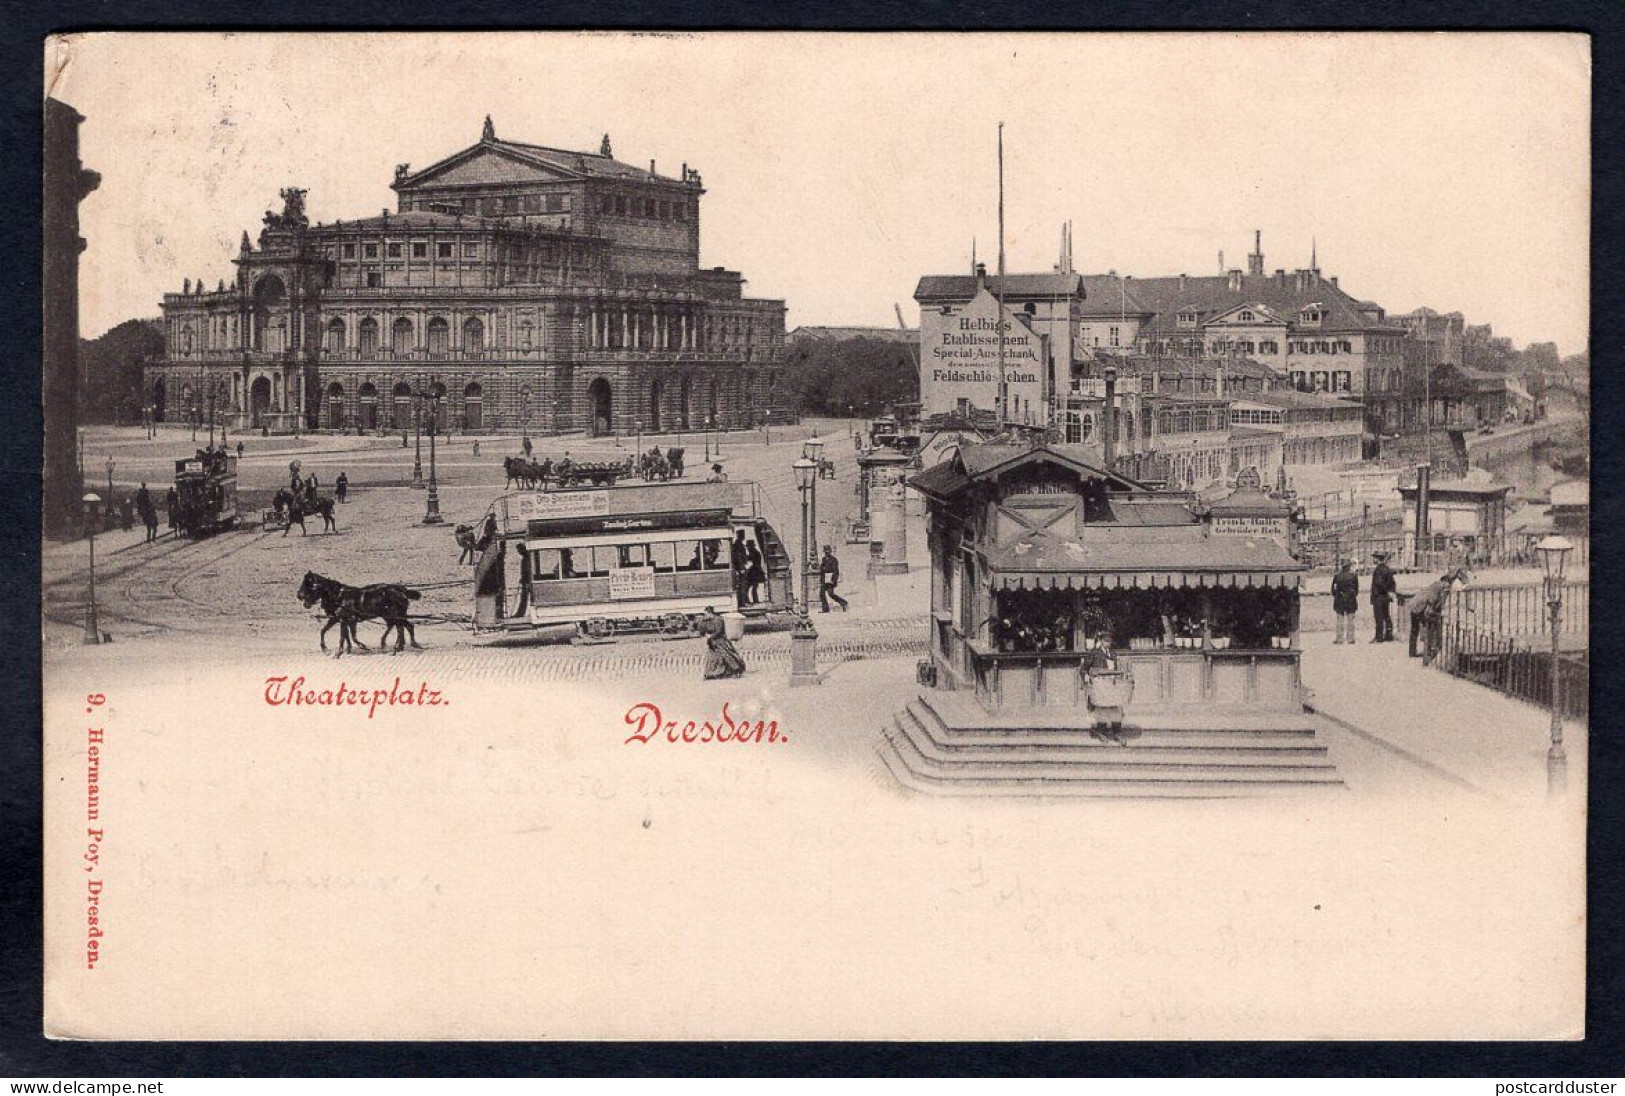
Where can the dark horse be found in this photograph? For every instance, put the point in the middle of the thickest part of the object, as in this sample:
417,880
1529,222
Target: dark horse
346,606
297,508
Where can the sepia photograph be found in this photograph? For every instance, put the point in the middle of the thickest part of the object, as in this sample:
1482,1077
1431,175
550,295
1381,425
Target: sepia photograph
790,536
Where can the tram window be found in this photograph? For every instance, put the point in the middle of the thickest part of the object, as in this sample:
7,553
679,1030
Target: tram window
634,555
688,555
544,564
664,557
715,550
604,557
577,562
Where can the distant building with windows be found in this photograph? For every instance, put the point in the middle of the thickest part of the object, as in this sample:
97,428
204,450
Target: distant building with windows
1301,324
529,287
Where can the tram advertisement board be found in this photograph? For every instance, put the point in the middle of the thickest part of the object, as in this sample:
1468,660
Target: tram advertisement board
959,357
521,509
631,582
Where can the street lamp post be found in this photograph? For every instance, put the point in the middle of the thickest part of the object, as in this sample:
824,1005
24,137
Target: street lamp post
804,637
1554,551
431,516
110,480
813,449
417,430
638,427
93,631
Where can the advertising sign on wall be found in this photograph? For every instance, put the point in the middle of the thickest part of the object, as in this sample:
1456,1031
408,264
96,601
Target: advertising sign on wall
959,359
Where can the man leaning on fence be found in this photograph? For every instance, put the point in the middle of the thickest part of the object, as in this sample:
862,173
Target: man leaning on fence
1427,615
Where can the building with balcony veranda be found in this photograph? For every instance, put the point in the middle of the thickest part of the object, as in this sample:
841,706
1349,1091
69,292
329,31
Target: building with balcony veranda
526,287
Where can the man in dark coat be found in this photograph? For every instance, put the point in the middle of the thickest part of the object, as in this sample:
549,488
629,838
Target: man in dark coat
829,576
148,512
1345,600
1383,590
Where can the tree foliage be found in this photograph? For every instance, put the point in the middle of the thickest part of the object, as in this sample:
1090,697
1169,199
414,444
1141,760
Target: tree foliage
110,371
861,375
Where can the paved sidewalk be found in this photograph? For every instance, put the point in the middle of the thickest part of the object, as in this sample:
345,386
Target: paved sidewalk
1416,724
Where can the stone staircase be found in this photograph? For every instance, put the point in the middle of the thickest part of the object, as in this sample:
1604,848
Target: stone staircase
941,745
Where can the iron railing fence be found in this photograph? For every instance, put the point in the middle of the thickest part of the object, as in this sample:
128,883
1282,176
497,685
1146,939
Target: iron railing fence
1517,668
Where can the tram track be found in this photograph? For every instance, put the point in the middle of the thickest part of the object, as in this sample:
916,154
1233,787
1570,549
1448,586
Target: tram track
150,581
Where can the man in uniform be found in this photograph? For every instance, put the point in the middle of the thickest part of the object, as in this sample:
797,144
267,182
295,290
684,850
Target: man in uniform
1383,589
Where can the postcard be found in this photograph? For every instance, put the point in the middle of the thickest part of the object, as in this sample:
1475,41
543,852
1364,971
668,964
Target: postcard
816,536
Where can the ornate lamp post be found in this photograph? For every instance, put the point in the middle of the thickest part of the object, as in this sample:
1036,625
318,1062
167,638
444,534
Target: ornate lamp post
93,631
109,479
639,428
417,429
1554,551
812,449
431,516
804,637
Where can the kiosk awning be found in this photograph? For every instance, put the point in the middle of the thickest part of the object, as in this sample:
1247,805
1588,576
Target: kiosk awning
1142,580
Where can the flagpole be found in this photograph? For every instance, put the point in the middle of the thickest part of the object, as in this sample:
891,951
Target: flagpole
1004,383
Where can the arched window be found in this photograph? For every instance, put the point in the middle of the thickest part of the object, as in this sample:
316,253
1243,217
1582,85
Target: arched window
1088,429
403,406
367,336
439,337
335,406
335,334
473,334
400,335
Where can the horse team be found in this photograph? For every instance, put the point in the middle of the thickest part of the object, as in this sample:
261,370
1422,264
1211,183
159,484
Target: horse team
530,475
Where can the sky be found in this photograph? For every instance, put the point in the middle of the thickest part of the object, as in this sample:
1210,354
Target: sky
1442,169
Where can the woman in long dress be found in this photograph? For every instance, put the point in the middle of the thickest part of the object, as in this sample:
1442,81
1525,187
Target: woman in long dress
722,658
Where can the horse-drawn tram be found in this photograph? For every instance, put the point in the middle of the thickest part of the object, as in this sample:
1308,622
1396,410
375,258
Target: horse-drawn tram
617,560
205,493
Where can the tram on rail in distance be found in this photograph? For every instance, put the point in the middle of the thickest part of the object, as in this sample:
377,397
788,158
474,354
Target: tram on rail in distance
635,559
205,493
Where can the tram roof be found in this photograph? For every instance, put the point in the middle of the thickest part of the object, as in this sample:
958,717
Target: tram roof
516,509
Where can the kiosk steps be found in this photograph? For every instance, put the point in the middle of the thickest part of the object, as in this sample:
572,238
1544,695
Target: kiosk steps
942,747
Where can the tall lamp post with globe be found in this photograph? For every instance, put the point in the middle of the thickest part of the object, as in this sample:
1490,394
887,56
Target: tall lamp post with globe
813,449
431,515
804,637
1554,551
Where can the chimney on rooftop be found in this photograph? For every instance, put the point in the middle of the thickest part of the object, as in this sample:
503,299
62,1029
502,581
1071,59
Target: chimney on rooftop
1280,278
1108,414
1182,283
1333,280
1255,261
1235,281
981,276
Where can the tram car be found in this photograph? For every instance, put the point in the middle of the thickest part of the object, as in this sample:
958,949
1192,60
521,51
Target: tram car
205,494
612,561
